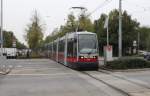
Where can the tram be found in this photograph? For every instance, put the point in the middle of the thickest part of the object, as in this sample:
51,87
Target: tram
77,50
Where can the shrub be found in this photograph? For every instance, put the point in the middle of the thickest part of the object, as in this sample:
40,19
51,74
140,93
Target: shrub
35,55
32,55
128,63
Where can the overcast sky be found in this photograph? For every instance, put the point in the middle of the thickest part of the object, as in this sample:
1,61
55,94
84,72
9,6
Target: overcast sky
17,13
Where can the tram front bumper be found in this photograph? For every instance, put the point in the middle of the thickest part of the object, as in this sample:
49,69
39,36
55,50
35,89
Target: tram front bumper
87,65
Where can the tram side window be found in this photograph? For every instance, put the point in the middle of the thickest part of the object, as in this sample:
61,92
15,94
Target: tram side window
54,47
50,50
75,49
61,46
72,48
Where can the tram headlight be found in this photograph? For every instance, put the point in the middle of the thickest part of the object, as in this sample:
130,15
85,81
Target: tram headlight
95,57
82,57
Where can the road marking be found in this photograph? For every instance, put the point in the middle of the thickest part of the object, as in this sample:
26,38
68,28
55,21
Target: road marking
56,74
10,66
19,66
33,68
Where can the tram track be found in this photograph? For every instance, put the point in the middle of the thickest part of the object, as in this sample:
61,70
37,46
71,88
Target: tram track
123,78
94,75
109,85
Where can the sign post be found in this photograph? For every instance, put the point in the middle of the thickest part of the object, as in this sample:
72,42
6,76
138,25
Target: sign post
134,47
108,53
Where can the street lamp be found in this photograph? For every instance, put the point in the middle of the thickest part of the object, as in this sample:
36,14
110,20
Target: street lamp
120,29
1,28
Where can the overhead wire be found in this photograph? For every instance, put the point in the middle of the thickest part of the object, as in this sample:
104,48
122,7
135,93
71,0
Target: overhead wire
145,9
103,4
106,2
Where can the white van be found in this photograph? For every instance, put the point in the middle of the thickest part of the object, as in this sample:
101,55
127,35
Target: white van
10,52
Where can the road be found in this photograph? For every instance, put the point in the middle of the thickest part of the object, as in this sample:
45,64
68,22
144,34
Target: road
43,77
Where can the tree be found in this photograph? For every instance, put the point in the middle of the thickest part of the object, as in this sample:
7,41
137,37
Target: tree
52,37
20,45
100,31
129,29
144,38
85,24
70,26
34,32
9,38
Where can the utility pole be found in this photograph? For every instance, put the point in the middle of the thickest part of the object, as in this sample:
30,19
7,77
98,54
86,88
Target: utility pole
138,42
107,36
120,29
1,28
106,25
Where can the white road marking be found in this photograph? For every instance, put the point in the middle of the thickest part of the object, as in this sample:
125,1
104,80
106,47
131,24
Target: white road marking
10,66
56,74
33,68
19,66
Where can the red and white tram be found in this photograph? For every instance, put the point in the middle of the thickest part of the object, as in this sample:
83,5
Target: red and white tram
78,50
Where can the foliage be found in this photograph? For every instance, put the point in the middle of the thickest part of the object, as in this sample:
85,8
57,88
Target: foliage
71,24
144,38
20,45
128,63
129,30
100,31
34,32
9,37
84,24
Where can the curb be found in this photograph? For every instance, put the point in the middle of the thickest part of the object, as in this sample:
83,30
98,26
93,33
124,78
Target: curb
132,70
126,70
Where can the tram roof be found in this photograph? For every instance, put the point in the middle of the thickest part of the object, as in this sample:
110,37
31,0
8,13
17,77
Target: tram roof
84,32
81,32
71,35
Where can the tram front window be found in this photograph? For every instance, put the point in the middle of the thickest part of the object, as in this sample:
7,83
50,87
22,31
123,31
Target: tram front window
87,44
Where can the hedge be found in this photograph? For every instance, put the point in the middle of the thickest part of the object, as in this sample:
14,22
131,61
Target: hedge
128,63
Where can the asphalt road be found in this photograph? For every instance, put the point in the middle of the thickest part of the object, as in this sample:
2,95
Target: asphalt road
43,77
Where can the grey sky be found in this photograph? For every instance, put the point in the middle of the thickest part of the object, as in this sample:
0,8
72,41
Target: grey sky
17,13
